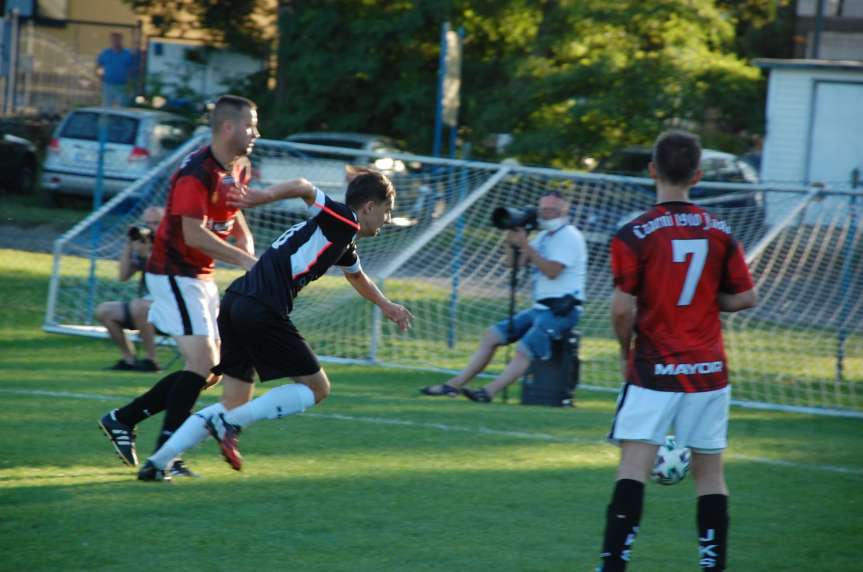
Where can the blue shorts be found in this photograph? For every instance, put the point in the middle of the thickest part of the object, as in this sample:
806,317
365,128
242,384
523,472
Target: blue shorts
535,329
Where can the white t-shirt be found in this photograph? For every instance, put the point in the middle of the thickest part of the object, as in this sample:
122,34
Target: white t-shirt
565,245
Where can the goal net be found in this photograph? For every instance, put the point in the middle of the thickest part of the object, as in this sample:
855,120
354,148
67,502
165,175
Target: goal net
442,258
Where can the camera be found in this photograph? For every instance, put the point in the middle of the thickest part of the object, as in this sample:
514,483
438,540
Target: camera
506,218
141,233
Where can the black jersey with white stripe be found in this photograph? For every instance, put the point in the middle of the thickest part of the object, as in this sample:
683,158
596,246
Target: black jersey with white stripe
303,253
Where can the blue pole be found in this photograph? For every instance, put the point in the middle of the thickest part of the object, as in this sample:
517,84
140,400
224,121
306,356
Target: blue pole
847,277
455,266
95,231
441,74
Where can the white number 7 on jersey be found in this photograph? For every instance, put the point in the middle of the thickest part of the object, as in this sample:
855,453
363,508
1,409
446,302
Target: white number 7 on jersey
698,249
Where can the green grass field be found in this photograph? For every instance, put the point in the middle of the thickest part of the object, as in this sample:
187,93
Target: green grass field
379,479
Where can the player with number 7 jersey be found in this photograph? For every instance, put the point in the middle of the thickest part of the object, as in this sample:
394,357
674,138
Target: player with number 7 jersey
675,258
675,267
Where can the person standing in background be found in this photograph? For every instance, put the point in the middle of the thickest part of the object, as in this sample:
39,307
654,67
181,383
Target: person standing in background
115,66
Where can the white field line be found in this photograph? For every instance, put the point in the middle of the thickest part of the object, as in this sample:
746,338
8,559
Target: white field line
479,430
459,428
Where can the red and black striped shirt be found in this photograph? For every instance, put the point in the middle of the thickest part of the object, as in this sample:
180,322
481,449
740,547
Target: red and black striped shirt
675,259
198,190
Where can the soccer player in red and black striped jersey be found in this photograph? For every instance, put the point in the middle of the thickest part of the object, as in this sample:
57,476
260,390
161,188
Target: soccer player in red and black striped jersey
254,320
675,268
179,274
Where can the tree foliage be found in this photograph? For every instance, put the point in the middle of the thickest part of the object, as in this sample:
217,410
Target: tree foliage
611,74
568,78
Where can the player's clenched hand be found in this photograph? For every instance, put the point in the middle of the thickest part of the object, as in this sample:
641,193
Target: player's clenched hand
398,314
243,197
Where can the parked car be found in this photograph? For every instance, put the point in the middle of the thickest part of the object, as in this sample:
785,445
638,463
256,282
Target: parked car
717,166
742,208
360,141
326,169
18,163
137,139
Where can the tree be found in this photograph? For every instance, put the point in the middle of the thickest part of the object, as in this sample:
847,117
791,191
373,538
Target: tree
616,73
762,28
357,66
568,78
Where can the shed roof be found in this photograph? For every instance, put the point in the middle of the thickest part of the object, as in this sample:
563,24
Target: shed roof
825,65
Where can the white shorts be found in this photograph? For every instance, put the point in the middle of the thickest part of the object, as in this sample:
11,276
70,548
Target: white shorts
697,420
183,306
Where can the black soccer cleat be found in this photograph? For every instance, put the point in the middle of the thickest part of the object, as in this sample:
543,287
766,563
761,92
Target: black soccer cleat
122,437
179,469
150,472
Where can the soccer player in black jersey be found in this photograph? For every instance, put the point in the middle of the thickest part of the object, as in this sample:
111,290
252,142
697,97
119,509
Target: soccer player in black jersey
254,319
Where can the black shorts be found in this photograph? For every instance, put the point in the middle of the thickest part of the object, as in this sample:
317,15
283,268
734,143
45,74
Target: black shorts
127,323
256,338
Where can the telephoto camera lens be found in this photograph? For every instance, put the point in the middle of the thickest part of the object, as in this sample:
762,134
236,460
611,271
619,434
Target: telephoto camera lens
506,218
140,233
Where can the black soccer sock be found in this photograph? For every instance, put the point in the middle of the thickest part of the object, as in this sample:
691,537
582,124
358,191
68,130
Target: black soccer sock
149,403
712,531
181,400
621,524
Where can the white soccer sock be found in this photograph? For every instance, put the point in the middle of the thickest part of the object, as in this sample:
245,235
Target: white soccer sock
190,433
278,402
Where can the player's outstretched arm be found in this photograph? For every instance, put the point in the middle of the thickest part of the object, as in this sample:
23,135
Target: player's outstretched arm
244,197
739,301
368,290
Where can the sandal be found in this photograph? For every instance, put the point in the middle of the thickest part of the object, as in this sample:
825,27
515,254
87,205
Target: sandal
440,390
478,395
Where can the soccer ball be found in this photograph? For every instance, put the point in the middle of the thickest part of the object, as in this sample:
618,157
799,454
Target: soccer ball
672,463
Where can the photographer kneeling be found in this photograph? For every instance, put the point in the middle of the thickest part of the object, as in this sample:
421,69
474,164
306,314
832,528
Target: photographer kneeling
558,256
118,316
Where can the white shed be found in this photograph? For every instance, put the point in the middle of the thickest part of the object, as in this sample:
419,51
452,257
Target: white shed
814,121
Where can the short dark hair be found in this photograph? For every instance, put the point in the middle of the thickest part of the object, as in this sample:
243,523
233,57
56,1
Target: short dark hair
368,185
228,107
676,156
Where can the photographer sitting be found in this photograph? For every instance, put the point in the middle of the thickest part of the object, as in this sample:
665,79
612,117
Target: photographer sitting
558,256
132,315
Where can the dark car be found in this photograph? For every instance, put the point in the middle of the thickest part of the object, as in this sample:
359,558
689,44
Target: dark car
18,164
717,166
742,206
